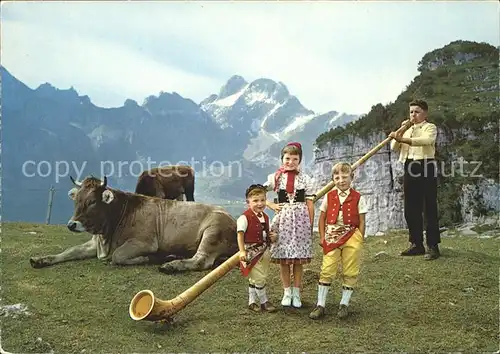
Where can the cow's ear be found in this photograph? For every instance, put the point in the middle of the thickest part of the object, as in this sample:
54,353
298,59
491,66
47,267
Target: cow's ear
107,196
72,193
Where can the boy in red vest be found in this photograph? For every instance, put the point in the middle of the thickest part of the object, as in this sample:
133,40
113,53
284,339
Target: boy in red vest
341,230
254,238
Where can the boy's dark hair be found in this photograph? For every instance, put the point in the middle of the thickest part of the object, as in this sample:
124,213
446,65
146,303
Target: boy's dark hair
255,189
420,103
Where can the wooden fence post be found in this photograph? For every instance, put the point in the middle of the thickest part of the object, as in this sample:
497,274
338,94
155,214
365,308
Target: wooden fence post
49,206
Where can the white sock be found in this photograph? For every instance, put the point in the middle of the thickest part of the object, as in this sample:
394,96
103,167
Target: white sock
296,302
322,292
287,297
287,291
346,295
296,292
252,295
261,293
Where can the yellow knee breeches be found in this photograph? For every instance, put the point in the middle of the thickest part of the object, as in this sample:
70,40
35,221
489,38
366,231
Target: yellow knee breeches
349,256
259,272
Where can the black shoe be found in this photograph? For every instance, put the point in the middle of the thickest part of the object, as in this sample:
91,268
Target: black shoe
432,253
414,250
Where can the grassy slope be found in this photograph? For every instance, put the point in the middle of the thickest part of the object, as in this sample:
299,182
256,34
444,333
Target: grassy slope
402,304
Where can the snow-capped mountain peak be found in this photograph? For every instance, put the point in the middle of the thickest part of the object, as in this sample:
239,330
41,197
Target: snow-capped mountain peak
264,114
232,86
298,122
266,90
267,104
228,101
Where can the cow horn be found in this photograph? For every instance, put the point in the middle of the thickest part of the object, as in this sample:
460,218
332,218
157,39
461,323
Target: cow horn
76,183
145,306
104,182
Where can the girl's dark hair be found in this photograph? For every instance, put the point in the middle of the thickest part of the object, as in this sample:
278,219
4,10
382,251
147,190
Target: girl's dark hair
293,149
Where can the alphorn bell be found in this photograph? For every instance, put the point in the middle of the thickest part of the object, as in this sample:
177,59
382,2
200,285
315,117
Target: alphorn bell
145,306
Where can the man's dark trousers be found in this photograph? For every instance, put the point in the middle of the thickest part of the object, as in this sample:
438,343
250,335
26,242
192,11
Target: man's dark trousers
420,195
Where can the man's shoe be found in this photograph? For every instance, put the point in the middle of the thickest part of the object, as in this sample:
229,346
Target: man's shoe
432,253
254,307
317,313
268,307
414,250
343,312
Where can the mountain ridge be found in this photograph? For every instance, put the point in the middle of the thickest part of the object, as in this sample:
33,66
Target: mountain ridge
51,125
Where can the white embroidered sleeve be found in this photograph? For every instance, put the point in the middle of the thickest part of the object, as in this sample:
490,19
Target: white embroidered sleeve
242,223
309,187
324,204
362,206
269,184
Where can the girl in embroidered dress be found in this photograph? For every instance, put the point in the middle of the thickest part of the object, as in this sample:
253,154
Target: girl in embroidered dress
293,221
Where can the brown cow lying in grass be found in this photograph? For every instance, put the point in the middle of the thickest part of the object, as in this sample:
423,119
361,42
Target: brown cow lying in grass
132,229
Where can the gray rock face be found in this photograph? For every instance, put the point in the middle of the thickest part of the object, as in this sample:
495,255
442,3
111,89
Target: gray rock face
486,192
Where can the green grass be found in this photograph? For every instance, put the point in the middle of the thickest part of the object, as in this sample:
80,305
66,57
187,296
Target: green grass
402,304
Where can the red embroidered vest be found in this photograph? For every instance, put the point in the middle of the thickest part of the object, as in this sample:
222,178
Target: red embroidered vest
254,229
350,214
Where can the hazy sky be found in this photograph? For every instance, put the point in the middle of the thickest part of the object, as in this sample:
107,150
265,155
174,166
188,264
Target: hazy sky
344,56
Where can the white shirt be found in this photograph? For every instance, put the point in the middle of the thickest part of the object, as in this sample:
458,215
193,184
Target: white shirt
242,224
362,207
423,140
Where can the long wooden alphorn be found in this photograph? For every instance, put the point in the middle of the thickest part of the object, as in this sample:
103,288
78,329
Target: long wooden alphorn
145,306
362,160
